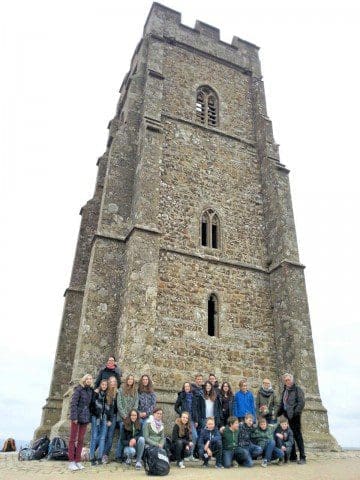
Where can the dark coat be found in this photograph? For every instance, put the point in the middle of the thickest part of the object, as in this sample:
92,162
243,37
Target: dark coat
176,433
223,414
295,402
126,435
208,436
106,373
288,439
201,409
80,404
245,433
268,399
181,405
99,406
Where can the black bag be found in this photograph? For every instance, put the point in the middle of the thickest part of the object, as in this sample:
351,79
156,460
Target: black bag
156,461
40,448
58,449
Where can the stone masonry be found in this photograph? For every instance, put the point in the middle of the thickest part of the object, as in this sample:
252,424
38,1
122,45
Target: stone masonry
142,277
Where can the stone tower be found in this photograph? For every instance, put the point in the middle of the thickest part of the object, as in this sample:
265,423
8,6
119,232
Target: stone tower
187,257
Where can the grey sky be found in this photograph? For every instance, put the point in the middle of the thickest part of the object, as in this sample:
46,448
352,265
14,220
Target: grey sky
63,63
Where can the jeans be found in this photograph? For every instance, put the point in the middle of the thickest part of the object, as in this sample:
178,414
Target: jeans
249,453
119,446
77,434
295,425
216,448
239,454
138,450
98,434
270,452
194,436
109,436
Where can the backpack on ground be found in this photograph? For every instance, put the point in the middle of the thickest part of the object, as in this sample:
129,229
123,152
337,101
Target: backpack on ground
58,449
9,445
26,454
40,448
156,461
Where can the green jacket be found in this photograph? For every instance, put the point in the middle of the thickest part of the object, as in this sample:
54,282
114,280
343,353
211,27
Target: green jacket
152,436
261,437
126,403
230,439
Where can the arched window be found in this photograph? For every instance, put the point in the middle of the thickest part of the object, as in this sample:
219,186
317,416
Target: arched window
210,229
213,323
207,106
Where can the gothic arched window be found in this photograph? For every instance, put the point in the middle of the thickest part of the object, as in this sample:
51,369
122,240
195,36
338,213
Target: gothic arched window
207,109
210,229
213,319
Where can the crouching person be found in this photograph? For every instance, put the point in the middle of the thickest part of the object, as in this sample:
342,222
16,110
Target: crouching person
284,438
250,451
181,440
263,436
210,443
230,443
132,440
153,430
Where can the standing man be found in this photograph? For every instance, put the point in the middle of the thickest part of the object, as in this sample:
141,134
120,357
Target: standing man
292,405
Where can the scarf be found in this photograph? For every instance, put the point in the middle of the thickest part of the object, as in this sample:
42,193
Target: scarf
110,366
266,392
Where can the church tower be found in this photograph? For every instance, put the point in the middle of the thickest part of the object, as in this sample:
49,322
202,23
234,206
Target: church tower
187,257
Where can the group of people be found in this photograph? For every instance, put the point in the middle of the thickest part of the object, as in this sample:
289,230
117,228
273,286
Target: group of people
214,422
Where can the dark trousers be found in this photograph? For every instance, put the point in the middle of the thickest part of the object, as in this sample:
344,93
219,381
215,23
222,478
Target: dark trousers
179,449
216,448
295,425
76,441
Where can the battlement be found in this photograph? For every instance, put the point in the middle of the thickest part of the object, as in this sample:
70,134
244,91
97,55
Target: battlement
166,23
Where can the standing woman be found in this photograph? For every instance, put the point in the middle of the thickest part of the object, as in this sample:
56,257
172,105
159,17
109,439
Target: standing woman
79,419
208,405
127,400
266,404
111,401
101,418
111,369
226,398
147,398
244,402
181,438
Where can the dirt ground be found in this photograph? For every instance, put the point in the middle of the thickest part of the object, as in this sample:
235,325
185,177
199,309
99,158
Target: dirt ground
324,466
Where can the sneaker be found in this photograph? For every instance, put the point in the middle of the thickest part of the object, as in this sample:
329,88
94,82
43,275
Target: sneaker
276,461
181,464
281,462
206,463
105,459
128,461
73,466
302,461
138,465
79,466
191,458
264,463
293,460
218,465
93,462
100,461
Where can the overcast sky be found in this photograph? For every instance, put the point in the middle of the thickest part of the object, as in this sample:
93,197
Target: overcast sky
62,65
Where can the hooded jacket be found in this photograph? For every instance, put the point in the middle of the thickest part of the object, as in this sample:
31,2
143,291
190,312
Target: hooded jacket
288,439
245,435
261,437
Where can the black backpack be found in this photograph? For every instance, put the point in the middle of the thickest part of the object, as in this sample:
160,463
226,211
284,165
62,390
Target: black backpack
58,449
156,461
40,448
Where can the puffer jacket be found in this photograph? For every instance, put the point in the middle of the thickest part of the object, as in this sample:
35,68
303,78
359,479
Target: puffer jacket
106,373
295,402
245,435
80,404
99,406
261,437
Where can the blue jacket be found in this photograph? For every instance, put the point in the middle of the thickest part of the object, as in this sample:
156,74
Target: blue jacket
209,436
244,403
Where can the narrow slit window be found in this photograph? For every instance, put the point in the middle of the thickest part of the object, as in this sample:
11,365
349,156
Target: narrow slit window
209,229
212,316
204,232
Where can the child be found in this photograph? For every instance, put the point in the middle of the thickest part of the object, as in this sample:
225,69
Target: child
181,438
263,436
210,443
132,440
249,450
79,419
101,418
284,437
230,443
244,402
